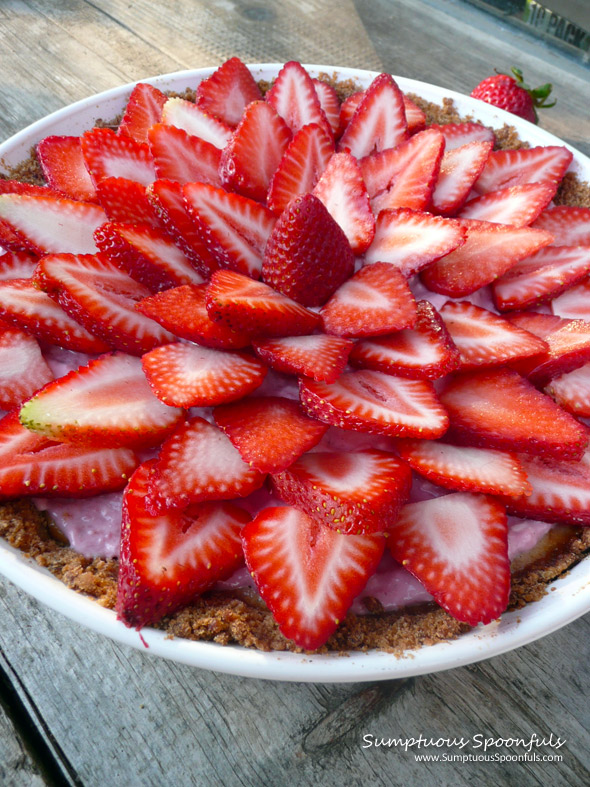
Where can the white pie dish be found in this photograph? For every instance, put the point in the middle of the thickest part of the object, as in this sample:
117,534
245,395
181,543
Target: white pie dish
569,599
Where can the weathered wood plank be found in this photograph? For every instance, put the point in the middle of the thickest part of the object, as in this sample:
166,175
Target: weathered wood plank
16,767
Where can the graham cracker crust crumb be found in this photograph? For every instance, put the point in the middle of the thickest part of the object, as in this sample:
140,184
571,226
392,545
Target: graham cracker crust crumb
573,191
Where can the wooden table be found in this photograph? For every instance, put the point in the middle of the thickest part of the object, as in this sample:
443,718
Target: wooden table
77,709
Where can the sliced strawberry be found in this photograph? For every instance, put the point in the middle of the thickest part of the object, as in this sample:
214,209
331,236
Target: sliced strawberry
47,224
506,168
540,277
64,167
379,121
228,91
425,352
307,573
252,155
404,176
294,97
192,119
569,226
348,108
169,559
270,432
16,439
25,306
459,169
233,229
377,403
107,403
300,167
459,134
146,254
188,375
110,155
411,240
183,312
516,205
126,201
376,300
342,190
329,102
574,303
572,391
466,469
321,357
22,367
560,491
486,339
488,252
254,308
500,409
143,110
535,322
457,546
9,238
415,117
101,298
182,158
198,462
359,492
17,265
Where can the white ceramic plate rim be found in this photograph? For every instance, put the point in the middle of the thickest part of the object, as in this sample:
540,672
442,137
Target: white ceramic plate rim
569,597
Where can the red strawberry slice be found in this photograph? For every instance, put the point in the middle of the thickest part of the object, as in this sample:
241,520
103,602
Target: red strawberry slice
9,238
143,110
198,462
541,276
376,300
22,367
270,432
377,403
233,229
342,190
488,252
183,312
457,546
17,265
459,169
404,176
348,108
307,574
188,375
506,168
574,303
486,339
111,155
466,469
379,121
228,91
411,240
329,102
126,201
252,155
182,158
101,298
166,199
425,352
293,96
16,439
307,256
192,119
415,117
569,226
25,306
517,205
146,254
254,308
572,391
48,224
357,493
169,559
459,134
105,403
321,357
539,324
500,409
301,166
64,167
560,491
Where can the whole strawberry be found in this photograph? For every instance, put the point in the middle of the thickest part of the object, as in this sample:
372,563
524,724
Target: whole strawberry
512,94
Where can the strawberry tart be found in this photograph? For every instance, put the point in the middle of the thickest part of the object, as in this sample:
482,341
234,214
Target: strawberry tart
296,366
